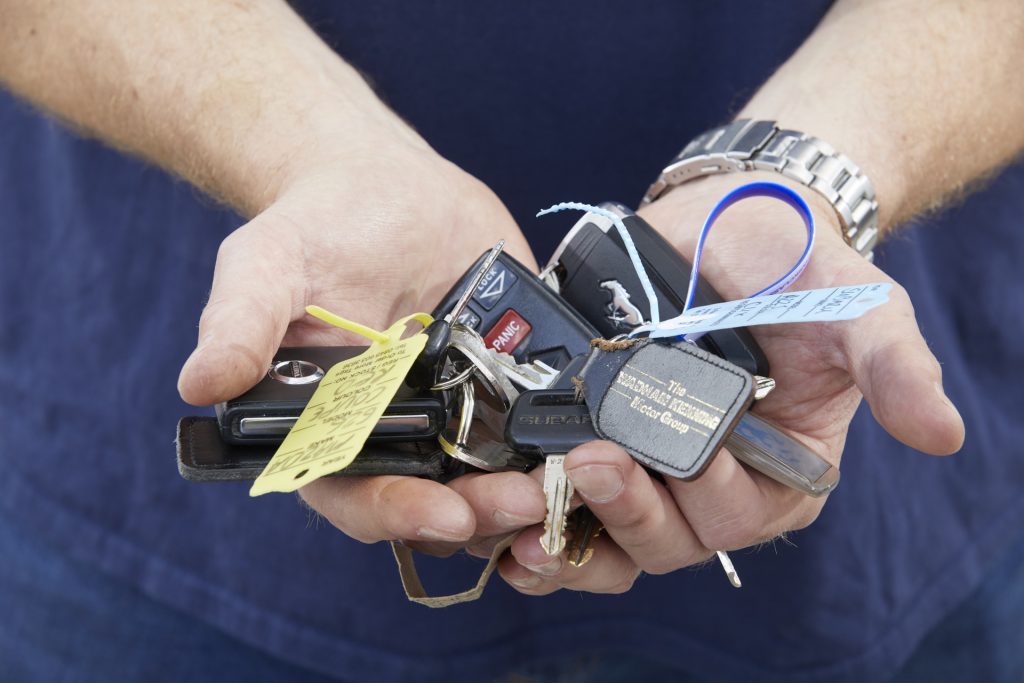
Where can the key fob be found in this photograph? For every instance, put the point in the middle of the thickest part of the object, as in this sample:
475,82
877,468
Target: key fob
204,456
516,313
548,421
593,273
265,413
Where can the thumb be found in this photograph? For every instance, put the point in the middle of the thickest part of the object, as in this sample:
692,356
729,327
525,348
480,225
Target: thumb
255,282
901,379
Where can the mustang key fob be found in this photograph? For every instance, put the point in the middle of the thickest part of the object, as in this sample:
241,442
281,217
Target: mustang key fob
592,271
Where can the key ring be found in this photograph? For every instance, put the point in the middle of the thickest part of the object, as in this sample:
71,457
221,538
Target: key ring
484,454
455,381
469,343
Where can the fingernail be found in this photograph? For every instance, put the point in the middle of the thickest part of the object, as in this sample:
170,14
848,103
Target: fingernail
508,520
432,534
549,568
597,483
527,581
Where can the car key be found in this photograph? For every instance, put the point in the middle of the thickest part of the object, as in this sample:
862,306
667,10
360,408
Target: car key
517,314
558,492
548,424
265,413
593,273
551,423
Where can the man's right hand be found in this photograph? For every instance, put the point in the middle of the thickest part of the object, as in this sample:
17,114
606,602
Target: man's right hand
372,237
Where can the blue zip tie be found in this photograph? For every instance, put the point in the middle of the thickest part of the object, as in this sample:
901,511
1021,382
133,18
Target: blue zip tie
759,189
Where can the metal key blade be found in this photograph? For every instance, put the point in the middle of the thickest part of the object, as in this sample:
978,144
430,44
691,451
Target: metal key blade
585,528
527,376
730,571
485,267
426,370
558,492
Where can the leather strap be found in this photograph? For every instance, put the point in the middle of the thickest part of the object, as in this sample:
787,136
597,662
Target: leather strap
415,591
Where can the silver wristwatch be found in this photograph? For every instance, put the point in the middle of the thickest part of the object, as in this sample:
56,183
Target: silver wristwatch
747,145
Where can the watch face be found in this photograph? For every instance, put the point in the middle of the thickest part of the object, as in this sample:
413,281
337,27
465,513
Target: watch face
296,372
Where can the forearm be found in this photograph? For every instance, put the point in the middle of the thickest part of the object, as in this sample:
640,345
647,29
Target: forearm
231,96
925,96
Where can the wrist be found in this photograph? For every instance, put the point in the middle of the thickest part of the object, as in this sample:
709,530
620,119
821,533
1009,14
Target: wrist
865,144
328,120
682,209
746,145
754,241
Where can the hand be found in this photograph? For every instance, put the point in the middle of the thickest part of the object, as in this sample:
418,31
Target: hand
821,369
372,237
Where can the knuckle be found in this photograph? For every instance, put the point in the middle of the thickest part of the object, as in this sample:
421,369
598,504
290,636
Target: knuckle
322,504
728,529
231,243
625,583
660,566
656,566
640,521
805,516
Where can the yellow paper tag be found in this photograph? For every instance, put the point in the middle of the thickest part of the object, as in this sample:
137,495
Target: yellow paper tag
345,407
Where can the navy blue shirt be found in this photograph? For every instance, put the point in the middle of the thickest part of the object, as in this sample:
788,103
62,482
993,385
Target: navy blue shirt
106,262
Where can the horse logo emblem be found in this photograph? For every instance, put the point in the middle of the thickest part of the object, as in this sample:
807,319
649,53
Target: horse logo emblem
622,313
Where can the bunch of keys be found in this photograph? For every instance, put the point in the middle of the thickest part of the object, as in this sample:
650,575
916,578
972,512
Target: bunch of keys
592,256
492,384
493,439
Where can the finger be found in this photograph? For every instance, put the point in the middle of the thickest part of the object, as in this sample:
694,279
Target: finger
524,580
730,507
610,569
371,509
251,303
637,512
501,502
483,546
901,379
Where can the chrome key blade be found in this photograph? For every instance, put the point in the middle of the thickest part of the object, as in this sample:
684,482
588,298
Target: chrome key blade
460,305
558,492
730,571
527,376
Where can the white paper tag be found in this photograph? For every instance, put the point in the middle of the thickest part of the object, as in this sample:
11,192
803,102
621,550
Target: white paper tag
814,305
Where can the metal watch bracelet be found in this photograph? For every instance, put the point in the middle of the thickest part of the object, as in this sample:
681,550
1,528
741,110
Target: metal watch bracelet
747,145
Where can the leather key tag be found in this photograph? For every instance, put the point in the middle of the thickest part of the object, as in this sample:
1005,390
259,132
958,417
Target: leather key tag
670,405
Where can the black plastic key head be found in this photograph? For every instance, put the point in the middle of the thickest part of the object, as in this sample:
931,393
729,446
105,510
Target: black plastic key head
424,371
547,422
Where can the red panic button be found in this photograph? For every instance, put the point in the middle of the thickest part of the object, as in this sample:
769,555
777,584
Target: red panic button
508,333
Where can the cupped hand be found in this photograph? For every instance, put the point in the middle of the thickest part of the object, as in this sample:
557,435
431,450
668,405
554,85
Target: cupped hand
821,369
372,236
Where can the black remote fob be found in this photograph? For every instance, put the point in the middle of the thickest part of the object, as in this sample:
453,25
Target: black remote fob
516,313
265,413
596,277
